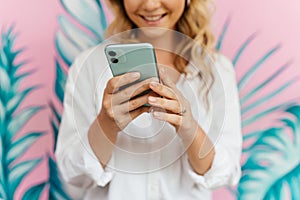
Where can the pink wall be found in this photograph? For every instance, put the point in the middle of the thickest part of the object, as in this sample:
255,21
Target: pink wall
36,22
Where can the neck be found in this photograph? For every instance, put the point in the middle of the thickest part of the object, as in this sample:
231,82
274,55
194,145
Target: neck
162,39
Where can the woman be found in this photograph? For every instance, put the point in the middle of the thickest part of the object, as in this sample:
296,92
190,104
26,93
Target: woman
111,146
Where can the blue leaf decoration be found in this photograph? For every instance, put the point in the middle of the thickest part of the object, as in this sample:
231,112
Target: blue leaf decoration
256,66
2,117
54,123
66,48
77,36
34,193
18,121
13,171
56,187
88,13
253,118
265,83
60,82
4,84
73,39
223,34
21,145
267,97
16,100
19,171
263,152
70,41
243,48
273,167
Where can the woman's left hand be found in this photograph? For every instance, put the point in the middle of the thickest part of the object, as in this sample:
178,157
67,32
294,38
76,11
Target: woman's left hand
174,108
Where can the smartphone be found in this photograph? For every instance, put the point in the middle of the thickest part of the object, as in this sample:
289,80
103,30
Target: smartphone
135,57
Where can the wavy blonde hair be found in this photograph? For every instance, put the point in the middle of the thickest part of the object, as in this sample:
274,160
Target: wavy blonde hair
194,23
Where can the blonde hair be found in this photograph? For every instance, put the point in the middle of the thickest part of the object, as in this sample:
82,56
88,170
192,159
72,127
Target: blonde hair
194,23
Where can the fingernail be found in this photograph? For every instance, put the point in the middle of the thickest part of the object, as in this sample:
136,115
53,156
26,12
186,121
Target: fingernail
152,99
155,79
153,84
135,74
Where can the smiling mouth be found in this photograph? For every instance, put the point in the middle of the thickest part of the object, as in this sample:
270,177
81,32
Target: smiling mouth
153,18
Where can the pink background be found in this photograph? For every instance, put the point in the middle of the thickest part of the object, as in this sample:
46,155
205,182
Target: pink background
36,23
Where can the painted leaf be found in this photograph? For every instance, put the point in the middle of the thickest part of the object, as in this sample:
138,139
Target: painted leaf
79,38
273,167
56,190
66,48
2,117
19,171
21,145
34,193
54,123
70,41
12,170
18,121
261,179
260,87
4,84
73,39
265,83
60,82
256,66
88,13
17,99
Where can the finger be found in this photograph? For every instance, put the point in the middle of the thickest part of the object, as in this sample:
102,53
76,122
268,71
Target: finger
168,117
167,104
134,103
135,113
162,90
132,91
116,82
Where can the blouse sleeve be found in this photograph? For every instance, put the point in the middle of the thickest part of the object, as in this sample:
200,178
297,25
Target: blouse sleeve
225,169
77,163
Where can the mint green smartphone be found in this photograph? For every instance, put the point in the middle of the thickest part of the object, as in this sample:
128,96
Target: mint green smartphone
135,57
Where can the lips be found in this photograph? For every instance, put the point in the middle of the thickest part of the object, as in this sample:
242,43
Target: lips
153,18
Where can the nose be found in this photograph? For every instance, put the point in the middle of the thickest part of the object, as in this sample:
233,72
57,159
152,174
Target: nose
150,5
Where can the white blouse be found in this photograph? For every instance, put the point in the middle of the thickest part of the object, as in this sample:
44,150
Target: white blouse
149,161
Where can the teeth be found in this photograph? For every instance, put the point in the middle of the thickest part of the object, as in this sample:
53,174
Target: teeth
153,18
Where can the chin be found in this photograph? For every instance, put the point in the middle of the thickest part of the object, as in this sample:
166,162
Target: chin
154,32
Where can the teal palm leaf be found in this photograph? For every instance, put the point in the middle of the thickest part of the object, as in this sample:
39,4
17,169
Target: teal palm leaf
56,118
71,39
13,171
260,87
259,144
55,182
272,170
74,38
56,188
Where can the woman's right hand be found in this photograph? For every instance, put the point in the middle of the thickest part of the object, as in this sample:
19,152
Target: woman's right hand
117,109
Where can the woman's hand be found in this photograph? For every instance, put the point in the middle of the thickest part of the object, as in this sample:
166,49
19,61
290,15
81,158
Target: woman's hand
118,110
176,108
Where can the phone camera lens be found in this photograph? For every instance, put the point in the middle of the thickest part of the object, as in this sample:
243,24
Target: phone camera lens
112,53
114,60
